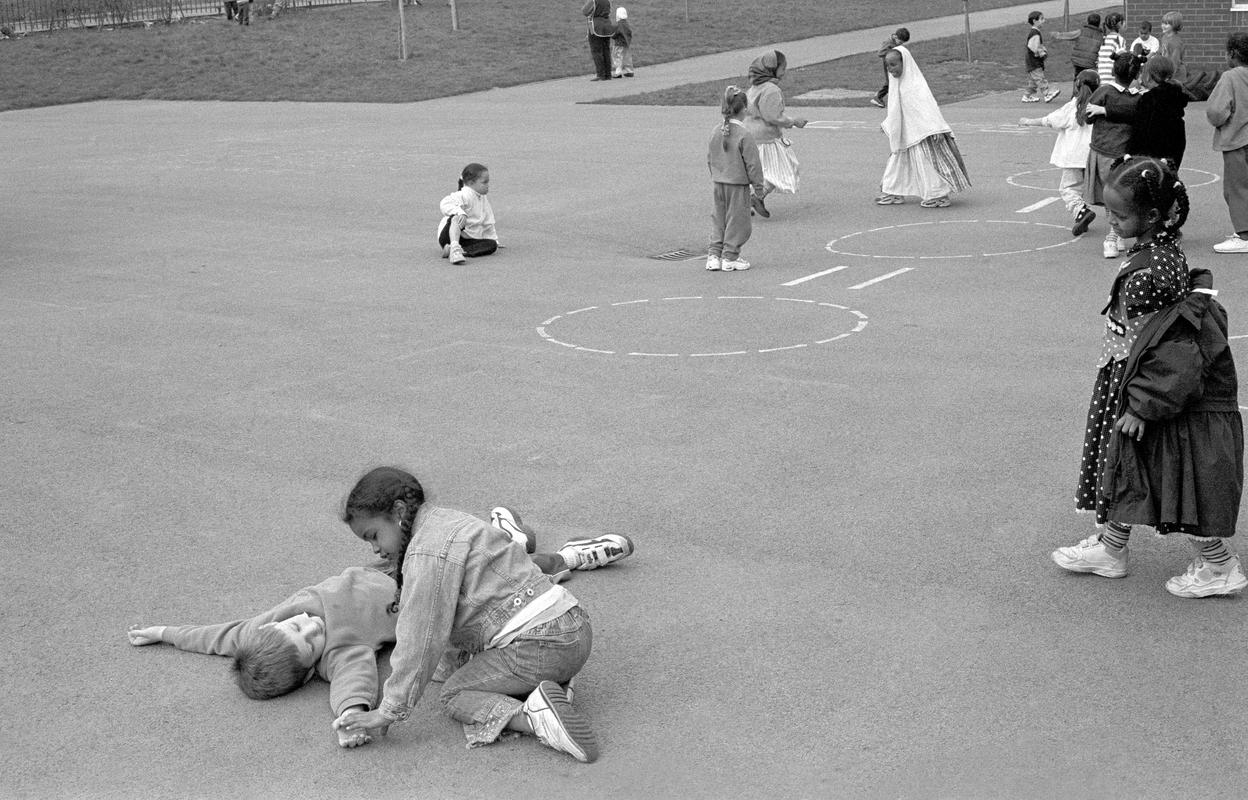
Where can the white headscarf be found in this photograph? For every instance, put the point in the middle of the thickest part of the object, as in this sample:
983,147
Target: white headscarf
912,111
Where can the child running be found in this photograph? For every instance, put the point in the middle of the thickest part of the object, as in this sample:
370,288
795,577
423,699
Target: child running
1113,107
1070,151
766,122
461,585
334,629
1164,444
735,167
467,226
1036,53
924,159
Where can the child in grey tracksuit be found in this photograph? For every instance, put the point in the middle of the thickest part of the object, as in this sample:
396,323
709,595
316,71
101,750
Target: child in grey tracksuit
732,157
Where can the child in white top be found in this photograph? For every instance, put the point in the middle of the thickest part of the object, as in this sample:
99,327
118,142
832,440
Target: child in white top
467,226
1070,151
1146,43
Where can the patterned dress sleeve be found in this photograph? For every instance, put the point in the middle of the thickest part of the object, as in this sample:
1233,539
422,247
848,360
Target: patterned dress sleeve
1159,285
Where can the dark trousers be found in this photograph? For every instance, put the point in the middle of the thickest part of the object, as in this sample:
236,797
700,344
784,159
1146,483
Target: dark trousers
231,9
600,49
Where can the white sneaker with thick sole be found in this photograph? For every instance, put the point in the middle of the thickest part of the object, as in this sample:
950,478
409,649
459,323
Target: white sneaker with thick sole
1232,245
508,522
713,263
1202,580
737,265
1092,556
558,725
598,552
457,254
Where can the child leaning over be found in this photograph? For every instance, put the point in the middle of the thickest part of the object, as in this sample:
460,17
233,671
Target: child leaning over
1164,444
461,585
467,226
735,167
1070,151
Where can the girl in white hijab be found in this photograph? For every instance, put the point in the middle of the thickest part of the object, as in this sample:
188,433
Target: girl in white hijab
925,161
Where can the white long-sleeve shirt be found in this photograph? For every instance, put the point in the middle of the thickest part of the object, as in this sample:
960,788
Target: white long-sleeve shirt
1070,151
476,209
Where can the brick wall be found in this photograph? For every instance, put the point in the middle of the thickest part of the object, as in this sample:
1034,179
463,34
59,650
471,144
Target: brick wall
1206,24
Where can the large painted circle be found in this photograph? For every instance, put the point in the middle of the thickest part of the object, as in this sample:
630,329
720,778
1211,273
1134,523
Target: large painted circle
913,240
701,327
1045,181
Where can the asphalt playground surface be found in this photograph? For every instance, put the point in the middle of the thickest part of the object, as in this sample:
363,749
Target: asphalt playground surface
843,469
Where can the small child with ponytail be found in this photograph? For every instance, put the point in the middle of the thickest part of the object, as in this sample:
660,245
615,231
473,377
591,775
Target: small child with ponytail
735,166
467,226
462,584
1164,444
1070,151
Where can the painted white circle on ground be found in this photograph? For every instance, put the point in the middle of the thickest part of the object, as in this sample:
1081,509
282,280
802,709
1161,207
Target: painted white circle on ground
702,327
1029,179
914,240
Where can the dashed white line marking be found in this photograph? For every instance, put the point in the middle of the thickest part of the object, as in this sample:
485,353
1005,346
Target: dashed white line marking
884,277
1037,205
816,275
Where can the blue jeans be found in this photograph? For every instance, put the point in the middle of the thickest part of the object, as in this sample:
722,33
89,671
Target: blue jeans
482,693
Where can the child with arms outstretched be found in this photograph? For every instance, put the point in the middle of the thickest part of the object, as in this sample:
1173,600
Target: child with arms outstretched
1070,151
462,587
1164,443
467,226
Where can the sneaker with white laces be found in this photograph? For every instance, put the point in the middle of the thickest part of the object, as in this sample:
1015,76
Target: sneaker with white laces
558,725
1202,580
1110,247
587,554
508,521
1092,556
1048,98
456,254
1234,244
736,265
713,263
1030,98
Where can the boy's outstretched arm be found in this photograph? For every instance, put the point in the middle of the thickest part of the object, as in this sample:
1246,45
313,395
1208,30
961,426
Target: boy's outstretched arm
151,634
352,674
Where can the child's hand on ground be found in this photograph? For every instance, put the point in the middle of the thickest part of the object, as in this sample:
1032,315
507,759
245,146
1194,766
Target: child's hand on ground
140,636
1130,425
352,723
347,739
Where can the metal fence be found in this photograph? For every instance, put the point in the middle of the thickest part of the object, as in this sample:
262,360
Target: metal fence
29,16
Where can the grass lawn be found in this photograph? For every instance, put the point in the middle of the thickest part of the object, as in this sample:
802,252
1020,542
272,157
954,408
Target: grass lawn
997,66
350,53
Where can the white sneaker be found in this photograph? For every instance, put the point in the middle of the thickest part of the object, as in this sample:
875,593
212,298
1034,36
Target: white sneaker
1232,245
557,724
446,250
1202,580
739,265
456,254
508,522
1110,248
713,263
1092,556
587,554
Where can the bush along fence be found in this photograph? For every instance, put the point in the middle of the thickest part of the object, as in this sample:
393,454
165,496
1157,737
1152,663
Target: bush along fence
31,16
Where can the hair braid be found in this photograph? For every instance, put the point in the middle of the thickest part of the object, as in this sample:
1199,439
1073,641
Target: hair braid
411,502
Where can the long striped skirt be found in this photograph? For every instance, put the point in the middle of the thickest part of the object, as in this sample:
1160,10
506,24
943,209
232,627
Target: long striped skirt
932,168
779,165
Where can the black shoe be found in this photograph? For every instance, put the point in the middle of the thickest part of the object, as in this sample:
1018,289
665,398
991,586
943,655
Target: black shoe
1082,222
757,203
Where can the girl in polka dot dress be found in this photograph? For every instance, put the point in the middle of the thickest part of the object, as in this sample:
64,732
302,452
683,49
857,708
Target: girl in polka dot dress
1164,442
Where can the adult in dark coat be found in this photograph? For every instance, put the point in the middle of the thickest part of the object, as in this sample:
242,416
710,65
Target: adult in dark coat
600,31
1185,474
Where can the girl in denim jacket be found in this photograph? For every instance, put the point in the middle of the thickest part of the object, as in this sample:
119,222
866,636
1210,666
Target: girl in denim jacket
466,585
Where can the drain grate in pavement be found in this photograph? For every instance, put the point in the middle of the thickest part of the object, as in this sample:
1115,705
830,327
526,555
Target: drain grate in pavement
678,255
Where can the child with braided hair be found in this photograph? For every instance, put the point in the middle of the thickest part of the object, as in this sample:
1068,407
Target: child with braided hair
460,585
1164,444
736,167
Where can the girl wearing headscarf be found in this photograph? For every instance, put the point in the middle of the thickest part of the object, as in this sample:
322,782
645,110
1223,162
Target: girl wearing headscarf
925,160
765,120
600,31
